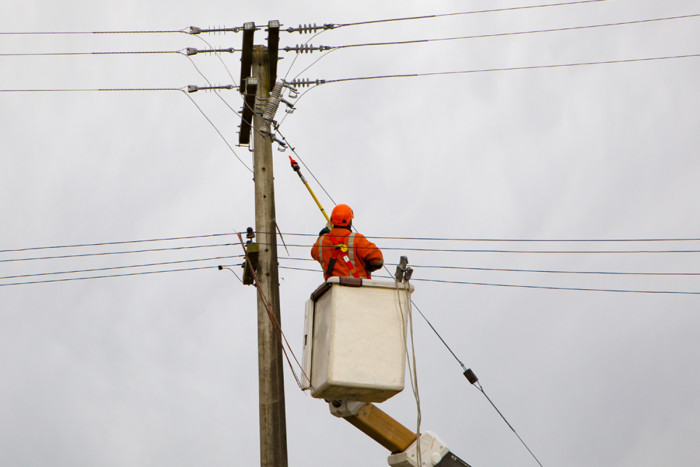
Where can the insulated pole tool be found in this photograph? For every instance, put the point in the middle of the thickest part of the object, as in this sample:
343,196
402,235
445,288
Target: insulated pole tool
297,169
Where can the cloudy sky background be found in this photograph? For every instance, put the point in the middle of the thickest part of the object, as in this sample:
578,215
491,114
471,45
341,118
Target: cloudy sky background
161,369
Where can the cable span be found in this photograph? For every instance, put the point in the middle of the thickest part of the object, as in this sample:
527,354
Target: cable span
78,271
384,237
81,255
219,133
45,33
122,242
95,90
494,10
456,250
575,289
490,70
68,279
517,33
186,52
545,271
52,54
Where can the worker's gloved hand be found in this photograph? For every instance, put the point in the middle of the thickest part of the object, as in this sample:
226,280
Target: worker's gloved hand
324,231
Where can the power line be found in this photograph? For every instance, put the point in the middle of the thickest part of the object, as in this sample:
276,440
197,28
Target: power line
219,133
63,33
481,389
186,52
381,237
490,284
114,275
187,89
495,239
121,242
94,90
503,34
575,289
494,10
81,255
472,250
51,54
78,271
489,70
545,271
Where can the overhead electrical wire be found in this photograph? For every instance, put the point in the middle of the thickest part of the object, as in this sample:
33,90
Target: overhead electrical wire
219,133
79,271
502,239
64,33
544,271
120,242
95,90
575,289
51,54
503,34
106,253
386,237
473,12
69,279
544,287
485,250
491,70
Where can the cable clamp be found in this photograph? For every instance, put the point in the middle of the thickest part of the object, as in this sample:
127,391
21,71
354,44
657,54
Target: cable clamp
302,83
307,48
309,28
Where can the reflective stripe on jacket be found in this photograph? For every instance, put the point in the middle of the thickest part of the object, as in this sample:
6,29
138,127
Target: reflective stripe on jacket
364,256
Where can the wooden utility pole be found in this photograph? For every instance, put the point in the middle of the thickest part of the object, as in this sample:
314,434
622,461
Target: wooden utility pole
273,426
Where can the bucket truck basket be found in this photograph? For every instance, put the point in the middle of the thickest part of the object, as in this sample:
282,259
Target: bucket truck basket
355,339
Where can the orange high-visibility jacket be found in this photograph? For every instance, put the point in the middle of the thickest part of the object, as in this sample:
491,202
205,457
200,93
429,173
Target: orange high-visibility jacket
364,256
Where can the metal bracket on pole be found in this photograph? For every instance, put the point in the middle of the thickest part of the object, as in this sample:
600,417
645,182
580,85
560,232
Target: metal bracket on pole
251,88
273,43
247,54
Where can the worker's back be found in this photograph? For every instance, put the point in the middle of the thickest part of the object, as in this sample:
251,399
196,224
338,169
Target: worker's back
342,252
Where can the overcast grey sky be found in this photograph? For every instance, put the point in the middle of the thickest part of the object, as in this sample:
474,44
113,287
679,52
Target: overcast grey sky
161,369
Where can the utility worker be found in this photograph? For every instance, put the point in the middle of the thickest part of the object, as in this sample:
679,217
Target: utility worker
344,253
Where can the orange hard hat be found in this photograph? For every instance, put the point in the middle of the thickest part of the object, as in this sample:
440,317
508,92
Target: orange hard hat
342,215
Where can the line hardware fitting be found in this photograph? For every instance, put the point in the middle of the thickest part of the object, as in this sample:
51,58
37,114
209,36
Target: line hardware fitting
308,48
